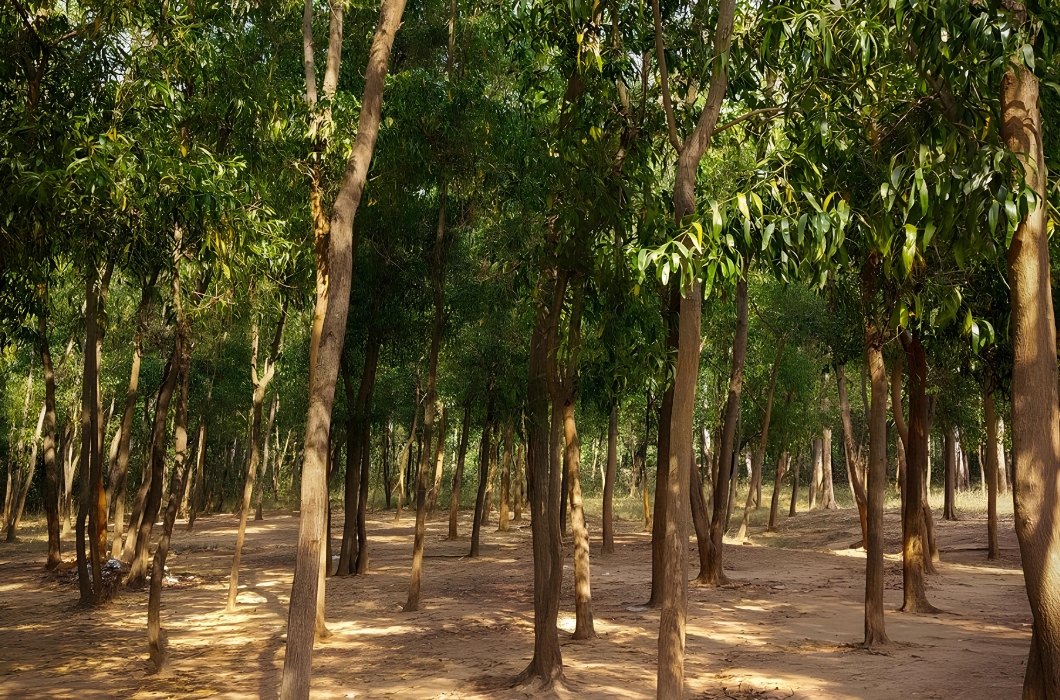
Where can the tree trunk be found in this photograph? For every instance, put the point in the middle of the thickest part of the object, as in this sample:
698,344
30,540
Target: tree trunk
794,507
760,453
700,518
259,384
828,489
850,454
51,467
913,531
506,470
1035,404
182,356
267,435
782,466
356,419
458,475
714,575
816,472
361,565
609,481
483,474
949,508
875,634
439,461
118,482
671,314
546,666
991,472
583,602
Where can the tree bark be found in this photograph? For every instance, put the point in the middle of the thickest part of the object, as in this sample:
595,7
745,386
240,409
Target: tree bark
949,507
714,575
763,442
546,666
357,406
914,544
671,314
875,633
990,471
334,264
609,481
259,384
794,507
51,467
782,467
182,357
851,454
483,473
506,470
458,475
583,601
1035,403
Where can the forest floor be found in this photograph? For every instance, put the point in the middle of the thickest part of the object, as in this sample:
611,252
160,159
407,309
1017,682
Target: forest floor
786,628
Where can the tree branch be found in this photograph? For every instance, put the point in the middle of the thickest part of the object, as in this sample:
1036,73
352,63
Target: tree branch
772,111
664,78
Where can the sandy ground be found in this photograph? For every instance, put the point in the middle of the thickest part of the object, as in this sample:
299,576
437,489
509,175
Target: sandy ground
784,629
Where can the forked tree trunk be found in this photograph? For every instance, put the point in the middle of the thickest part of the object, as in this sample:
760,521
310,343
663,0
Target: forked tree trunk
913,541
609,481
714,575
782,467
334,258
990,471
267,438
763,442
51,467
850,454
875,633
404,456
458,475
1035,404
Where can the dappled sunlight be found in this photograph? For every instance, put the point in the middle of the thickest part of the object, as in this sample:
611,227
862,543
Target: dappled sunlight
789,621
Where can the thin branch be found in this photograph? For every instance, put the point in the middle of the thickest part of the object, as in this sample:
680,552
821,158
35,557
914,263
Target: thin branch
773,111
664,78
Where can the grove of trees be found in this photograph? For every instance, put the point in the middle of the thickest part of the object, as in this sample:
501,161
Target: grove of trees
528,258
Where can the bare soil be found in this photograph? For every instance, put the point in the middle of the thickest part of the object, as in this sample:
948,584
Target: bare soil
786,628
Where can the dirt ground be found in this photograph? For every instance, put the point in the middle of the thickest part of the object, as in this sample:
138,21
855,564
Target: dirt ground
784,629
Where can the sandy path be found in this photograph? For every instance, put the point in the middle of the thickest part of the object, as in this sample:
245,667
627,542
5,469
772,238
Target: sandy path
780,631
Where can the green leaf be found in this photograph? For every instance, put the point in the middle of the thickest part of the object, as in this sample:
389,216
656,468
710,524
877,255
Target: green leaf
741,202
909,249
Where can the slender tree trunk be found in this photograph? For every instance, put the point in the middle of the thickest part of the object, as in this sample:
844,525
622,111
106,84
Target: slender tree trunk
51,467
483,475
458,475
118,482
850,454
609,481
259,384
949,508
715,573
506,470
520,483
828,489
760,453
361,566
782,466
913,540
266,435
22,489
991,472
875,634
816,473
794,507
583,603
404,456
357,410
182,356
671,314
439,461
700,518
